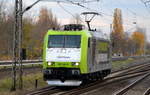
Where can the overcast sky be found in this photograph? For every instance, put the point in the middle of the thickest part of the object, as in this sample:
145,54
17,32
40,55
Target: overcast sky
132,11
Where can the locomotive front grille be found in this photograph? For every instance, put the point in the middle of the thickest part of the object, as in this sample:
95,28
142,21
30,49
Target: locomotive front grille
62,71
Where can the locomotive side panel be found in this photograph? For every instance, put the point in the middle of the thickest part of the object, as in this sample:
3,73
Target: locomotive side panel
98,55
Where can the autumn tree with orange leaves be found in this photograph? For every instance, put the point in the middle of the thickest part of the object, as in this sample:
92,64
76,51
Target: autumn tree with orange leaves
117,35
122,43
138,38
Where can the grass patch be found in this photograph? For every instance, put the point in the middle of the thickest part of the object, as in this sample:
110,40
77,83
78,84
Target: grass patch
29,81
120,64
28,84
5,84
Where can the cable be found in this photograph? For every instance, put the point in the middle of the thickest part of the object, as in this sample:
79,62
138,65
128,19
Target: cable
78,4
145,4
77,1
89,1
146,1
131,11
67,11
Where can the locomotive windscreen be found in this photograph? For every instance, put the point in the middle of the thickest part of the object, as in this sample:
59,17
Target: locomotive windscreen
64,41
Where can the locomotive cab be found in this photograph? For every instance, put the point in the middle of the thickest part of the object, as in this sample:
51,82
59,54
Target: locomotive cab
63,55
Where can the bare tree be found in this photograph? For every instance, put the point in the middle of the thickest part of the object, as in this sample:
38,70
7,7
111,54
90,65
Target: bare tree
139,40
46,21
33,31
5,39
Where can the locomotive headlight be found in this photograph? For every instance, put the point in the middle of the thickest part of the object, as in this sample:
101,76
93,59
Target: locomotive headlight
77,64
49,63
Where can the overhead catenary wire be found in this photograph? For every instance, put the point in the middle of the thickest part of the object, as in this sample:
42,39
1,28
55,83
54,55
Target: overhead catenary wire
89,1
145,4
65,9
87,8
81,5
148,1
78,4
75,1
126,8
133,11
68,11
129,10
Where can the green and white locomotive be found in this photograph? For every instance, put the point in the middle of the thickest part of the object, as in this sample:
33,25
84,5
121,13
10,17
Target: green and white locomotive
73,55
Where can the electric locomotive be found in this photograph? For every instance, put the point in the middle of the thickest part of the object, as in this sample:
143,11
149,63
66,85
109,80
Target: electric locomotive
73,55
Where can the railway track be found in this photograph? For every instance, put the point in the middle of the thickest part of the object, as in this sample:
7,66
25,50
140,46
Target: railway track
147,92
44,91
108,81
124,75
128,87
96,85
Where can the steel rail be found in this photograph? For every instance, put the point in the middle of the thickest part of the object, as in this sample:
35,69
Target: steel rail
125,89
147,92
127,74
41,91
